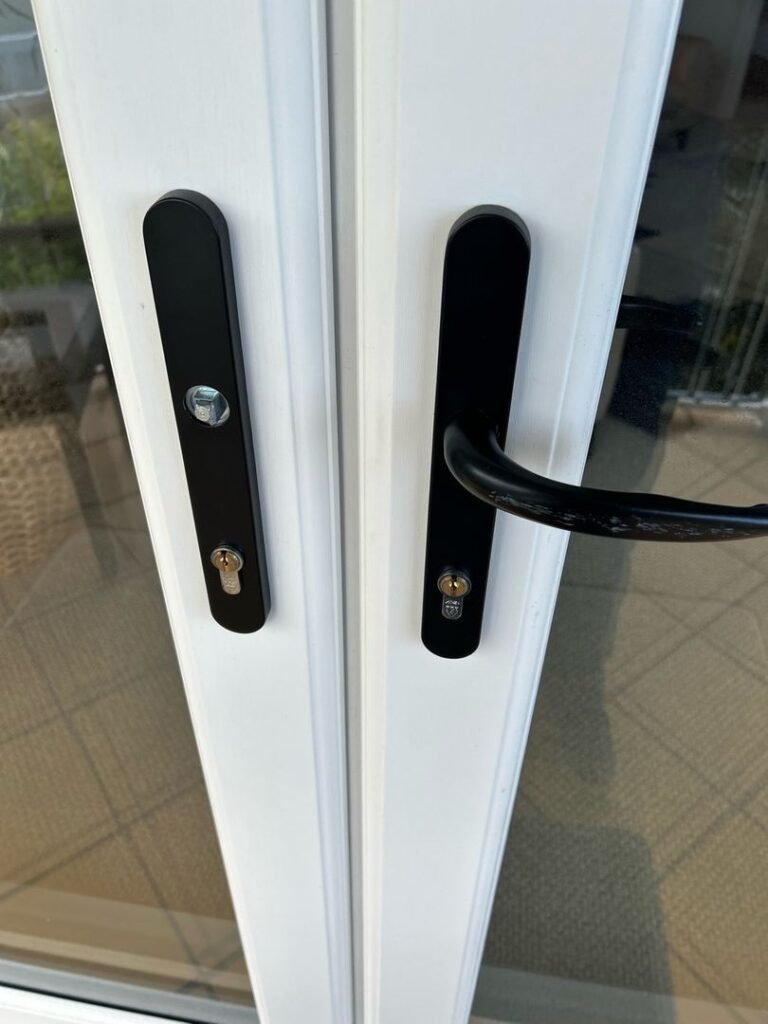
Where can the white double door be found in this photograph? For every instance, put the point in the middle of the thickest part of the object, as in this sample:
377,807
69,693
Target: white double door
362,787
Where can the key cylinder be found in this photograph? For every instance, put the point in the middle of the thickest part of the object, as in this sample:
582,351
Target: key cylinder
454,586
229,562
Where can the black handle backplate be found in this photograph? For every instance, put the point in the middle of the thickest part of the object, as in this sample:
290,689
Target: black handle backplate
190,264
484,283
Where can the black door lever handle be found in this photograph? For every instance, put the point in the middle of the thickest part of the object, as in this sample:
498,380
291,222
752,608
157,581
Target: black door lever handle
485,276
475,458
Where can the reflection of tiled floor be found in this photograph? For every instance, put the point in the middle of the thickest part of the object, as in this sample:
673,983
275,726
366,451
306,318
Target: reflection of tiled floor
108,860
648,749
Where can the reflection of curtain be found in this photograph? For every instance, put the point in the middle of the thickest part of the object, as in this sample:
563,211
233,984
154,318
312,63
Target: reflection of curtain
706,213
737,332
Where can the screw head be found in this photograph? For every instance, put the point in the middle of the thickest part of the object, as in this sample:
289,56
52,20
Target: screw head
454,584
207,405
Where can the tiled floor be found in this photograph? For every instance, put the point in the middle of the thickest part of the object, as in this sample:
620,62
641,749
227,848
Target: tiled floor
108,862
642,820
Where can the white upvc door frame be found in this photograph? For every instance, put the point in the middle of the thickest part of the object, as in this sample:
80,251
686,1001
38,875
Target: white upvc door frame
230,100
18,1006
549,109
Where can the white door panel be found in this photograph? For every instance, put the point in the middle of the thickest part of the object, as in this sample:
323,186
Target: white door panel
550,113
230,101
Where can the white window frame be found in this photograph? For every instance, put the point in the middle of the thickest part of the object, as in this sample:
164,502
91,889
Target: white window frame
21,1007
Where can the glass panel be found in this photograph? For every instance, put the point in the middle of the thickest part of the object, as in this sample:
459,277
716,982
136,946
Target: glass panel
635,880
109,863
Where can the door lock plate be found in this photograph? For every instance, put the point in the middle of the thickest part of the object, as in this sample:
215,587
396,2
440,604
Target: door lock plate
484,282
190,264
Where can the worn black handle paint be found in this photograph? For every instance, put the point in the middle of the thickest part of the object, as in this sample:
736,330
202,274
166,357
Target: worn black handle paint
474,456
190,264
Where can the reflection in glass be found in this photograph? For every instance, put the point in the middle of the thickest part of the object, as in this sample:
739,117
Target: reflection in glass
635,880
109,864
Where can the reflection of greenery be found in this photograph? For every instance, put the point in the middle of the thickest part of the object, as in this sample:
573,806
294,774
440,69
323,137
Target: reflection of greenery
39,237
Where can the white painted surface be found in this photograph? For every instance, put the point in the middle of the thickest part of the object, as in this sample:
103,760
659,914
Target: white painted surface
229,99
549,109
19,1007
72,991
